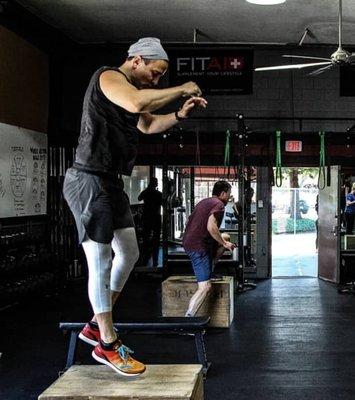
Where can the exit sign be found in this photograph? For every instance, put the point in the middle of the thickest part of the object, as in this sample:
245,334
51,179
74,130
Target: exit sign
293,146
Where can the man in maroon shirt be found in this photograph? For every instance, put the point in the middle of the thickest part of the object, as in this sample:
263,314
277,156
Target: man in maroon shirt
203,241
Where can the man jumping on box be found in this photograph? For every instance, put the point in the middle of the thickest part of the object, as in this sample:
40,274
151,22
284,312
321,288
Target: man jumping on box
119,102
204,243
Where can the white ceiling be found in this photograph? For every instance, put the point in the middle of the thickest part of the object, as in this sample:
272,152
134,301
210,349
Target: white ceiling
97,21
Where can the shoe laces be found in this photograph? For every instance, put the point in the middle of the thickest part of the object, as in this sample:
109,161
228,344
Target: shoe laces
124,352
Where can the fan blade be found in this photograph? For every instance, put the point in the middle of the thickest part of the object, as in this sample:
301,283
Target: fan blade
306,57
292,66
320,70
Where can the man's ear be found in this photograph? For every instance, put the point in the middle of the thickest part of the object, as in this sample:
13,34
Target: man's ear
137,61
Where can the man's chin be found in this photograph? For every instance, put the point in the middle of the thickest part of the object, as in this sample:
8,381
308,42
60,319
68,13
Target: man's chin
140,85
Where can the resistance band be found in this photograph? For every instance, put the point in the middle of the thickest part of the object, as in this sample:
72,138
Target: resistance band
321,171
270,161
278,179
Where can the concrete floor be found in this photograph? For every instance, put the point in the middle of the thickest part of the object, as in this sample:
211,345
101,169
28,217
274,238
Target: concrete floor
291,339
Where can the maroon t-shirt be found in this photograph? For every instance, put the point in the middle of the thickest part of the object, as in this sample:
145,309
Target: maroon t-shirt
196,236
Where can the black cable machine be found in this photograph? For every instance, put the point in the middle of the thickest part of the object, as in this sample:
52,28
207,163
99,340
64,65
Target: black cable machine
244,225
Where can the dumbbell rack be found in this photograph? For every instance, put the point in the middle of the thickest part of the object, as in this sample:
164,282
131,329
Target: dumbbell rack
26,268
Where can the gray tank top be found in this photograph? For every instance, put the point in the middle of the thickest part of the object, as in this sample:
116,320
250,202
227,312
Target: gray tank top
108,136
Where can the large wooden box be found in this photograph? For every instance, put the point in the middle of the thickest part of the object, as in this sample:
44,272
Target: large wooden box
178,290
99,382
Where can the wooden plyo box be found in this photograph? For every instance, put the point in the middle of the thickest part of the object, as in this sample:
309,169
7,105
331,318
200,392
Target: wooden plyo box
99,382
178,290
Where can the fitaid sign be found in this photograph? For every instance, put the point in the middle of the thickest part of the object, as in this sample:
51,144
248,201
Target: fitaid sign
228,71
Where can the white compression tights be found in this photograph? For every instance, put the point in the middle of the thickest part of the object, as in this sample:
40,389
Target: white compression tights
105,274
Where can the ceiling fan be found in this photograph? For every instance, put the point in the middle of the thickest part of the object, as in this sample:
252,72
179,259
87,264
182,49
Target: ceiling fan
339,57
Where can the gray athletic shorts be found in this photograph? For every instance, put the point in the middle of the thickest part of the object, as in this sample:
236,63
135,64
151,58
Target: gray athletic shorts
98,203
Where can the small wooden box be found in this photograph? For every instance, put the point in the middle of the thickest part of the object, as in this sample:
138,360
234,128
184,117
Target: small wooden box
98,382
178,290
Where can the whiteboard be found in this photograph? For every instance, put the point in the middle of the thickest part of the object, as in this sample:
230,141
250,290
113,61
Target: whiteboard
23,172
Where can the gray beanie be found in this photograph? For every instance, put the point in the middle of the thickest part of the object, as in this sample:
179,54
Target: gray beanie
149,48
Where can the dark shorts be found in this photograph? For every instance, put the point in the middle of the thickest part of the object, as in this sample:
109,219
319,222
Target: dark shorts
99,205
201,263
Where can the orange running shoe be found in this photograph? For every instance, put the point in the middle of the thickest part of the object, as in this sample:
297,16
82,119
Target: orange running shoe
90,335
119,359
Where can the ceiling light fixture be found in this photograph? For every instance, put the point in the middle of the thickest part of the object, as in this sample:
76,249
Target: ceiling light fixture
266,2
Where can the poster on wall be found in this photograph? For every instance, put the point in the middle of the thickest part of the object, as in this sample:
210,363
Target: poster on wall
23,172
217,71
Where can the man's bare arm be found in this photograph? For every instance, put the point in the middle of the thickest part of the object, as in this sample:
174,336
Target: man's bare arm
213,229
149,123
118,90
